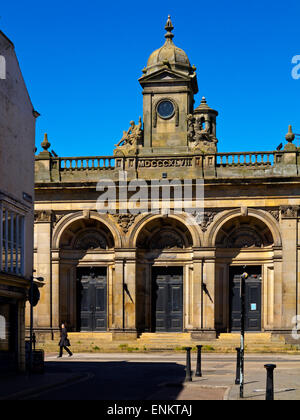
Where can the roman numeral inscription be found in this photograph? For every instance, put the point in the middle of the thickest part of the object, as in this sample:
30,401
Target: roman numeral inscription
164,163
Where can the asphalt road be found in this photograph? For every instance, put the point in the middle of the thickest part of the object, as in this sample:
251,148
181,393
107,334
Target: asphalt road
144,377
118,380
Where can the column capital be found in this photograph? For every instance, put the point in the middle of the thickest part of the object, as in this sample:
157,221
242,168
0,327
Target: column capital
289,212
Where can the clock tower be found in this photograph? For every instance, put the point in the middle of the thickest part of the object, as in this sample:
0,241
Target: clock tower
171,125
169,85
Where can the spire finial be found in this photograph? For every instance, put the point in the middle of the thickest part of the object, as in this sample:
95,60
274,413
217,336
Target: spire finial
169,28
290,137
45,144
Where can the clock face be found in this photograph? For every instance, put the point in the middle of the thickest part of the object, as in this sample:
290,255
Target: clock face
166,109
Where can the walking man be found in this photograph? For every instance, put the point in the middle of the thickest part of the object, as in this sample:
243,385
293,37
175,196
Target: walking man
64,341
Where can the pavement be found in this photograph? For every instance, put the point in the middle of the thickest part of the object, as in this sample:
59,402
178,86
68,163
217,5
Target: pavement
22,386
152,376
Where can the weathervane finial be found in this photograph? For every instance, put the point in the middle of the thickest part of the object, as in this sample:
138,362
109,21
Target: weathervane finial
169,28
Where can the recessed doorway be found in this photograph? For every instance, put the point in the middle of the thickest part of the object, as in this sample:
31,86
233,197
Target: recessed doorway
92,294
167,299
253,300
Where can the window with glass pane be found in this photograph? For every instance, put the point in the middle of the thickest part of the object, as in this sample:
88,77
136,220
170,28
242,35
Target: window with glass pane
11,242
2,240
4,327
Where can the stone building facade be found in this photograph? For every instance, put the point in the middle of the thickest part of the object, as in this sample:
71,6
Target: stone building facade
118,257
17,148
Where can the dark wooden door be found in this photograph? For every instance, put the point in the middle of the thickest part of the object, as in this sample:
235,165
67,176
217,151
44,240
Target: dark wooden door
167,300
252,302
93,299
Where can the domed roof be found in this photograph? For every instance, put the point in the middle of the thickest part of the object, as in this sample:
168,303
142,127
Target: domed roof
203,108
169,55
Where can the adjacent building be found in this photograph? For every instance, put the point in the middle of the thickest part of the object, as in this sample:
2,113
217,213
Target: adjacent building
118,257
17,146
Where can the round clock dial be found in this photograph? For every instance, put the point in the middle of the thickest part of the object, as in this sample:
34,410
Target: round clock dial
165,109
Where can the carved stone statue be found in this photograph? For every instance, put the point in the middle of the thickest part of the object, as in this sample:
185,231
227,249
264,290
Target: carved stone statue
201,127
132,136
191,130
200,135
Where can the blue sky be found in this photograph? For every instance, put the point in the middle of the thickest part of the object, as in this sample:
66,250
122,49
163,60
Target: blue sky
82,60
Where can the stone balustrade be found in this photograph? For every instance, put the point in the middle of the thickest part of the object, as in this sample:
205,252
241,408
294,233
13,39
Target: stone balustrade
245,159
84,163
215,165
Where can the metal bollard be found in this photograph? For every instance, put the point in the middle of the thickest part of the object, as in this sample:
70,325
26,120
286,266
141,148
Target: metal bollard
34,340
238,366
270,382
198,370
188,376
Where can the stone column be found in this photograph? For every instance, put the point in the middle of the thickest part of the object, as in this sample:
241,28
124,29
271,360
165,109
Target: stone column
55,291
204,293
42,266
124,295
289,228
196,290
209,294
130,292
278,293
117,294
298,270
147,120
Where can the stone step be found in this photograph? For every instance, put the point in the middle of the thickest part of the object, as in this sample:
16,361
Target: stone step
135,346
249,337
179,334
91,336
101,342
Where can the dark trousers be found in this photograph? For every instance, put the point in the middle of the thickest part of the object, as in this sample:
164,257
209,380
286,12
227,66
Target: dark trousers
61,350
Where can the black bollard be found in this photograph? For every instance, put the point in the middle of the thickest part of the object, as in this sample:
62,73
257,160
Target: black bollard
188,376
34,340
198,370
270,382
238,366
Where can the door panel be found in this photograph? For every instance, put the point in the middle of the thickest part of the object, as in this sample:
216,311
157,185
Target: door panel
100,304
253,305
235,306
93,300
86,320
168,299
253,289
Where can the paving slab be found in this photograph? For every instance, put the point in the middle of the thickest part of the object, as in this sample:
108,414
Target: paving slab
16,387
158,376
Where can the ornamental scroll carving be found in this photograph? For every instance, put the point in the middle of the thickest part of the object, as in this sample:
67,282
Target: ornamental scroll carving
125,221
48,216
289,212
205,219
275,213
43,216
